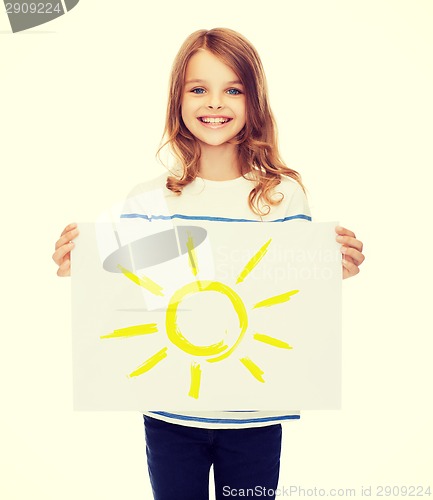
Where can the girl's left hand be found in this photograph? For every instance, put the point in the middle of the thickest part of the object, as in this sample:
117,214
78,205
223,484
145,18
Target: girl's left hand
351,248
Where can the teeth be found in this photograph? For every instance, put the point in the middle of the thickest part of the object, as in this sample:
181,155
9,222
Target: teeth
214,120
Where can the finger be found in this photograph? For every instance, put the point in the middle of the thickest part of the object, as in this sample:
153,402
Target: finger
354,254
349,268
344,231
350,241
64,269
69,227
66,238
62,252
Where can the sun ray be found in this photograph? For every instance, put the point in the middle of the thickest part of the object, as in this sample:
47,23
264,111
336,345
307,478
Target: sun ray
252,263
195,380
255,370
271,341
150,363
145,282
192,257
132,331
277,299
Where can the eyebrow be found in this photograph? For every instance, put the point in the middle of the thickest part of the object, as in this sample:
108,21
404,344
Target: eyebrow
198,80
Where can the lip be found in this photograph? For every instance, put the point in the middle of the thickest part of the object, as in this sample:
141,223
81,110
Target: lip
215,116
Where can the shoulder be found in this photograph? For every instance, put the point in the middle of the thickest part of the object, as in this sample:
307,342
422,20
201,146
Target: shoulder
149,197
288,185
154,184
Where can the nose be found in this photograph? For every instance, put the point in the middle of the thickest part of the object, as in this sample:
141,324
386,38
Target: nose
214,102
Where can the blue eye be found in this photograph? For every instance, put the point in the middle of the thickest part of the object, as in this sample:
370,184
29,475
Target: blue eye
237,91
201,90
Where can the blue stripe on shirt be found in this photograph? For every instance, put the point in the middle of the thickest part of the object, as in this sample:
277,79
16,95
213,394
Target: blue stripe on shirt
205,217
225,420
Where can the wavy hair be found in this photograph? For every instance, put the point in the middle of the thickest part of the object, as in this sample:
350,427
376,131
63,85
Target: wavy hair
257,142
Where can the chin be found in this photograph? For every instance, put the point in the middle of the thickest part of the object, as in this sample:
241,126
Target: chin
216,140
215,143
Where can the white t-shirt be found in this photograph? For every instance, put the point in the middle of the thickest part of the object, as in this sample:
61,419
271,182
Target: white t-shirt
225,201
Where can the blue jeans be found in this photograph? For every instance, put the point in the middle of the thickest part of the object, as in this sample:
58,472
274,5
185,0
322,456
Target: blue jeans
179,460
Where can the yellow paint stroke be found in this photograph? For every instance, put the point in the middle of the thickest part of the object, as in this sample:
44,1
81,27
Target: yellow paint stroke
277,299
176,336
150,363
253,368
132,331
192,257
195,380
252,263
145,282
272,341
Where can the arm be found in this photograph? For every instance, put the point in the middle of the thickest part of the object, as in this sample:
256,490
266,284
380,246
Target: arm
351,248
64,245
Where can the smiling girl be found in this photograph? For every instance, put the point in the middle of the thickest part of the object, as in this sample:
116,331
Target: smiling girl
221,129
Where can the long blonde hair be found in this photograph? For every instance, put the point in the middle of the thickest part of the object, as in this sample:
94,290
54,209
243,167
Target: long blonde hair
257,143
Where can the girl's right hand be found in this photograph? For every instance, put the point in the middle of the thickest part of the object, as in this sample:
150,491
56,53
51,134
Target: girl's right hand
64,245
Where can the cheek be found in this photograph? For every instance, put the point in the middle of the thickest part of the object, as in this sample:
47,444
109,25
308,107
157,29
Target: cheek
243,114
242,110
186,111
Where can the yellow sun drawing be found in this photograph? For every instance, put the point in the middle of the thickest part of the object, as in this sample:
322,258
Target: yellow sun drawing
211,353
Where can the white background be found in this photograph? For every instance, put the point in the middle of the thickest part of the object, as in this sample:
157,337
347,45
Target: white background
82,112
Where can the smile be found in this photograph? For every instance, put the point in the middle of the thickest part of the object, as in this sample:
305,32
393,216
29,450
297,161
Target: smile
214,122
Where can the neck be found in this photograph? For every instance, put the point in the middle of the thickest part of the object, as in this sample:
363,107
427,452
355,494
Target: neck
219,163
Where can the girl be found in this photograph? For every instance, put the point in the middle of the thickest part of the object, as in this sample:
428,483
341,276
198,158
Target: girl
221,130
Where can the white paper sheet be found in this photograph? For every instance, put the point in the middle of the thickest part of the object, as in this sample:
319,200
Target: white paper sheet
235,316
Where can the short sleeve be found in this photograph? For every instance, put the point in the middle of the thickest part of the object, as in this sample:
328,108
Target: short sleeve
299,204
295,200
151,192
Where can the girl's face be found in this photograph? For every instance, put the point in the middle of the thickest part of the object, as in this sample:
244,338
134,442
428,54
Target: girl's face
213,102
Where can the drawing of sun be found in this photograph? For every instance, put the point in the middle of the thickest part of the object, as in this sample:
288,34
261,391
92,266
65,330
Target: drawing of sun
177,335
